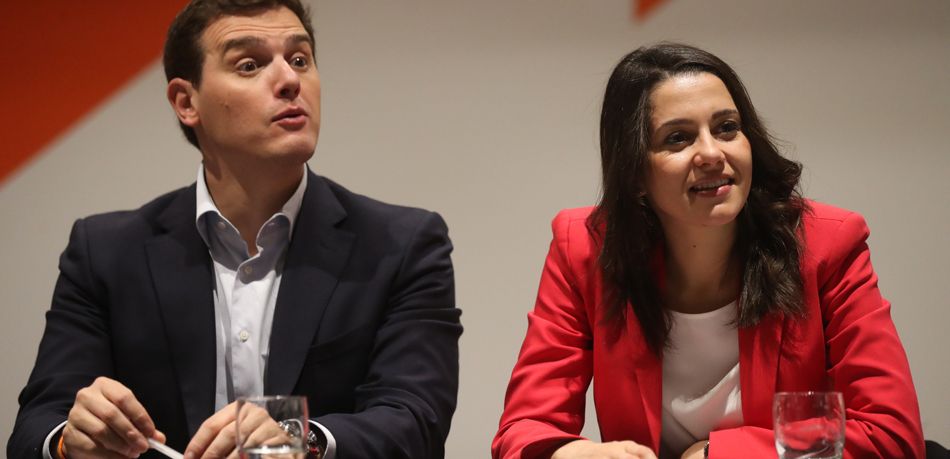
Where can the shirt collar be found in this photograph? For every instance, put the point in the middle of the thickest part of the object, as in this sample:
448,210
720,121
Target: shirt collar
204,203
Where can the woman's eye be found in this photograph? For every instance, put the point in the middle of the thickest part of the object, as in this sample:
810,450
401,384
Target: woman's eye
729,127
247,67
675,138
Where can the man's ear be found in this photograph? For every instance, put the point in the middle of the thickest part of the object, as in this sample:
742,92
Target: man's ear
180,95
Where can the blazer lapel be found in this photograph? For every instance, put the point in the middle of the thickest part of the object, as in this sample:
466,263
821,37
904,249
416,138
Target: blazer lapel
181,270
649,370
649,365
316,257
759,349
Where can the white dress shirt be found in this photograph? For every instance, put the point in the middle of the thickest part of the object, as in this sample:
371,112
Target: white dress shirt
245,295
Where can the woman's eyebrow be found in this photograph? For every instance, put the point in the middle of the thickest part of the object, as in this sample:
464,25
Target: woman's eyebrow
675,121
725,112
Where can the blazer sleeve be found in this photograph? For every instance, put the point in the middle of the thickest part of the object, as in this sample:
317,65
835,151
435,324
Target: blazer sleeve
544,405
865,357
75,349
405,403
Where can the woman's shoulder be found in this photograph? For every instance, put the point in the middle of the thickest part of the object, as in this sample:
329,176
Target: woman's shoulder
573,215
832,234
829,222
573,240
571,224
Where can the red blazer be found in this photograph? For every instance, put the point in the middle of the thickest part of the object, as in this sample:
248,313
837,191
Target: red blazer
846,342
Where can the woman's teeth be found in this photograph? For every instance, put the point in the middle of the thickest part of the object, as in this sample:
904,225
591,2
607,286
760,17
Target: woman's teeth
711,185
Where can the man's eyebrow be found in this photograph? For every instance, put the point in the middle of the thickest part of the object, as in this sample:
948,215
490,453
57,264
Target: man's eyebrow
299,38
252,41
243,42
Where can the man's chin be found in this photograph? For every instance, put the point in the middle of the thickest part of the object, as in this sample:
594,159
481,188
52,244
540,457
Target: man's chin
298,150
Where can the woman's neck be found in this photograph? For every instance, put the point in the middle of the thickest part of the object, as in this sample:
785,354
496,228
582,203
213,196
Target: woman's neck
701,274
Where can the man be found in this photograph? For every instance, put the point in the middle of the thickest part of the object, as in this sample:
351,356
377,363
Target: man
261,278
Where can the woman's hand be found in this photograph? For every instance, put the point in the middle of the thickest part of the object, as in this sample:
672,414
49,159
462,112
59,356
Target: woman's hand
586,449
697,451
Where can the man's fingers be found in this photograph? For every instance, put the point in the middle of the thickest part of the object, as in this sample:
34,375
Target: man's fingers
223,444
114,426
209,430
265,434
256,426
88,417
122,397
78,445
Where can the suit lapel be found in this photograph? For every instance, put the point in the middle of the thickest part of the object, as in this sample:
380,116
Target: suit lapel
316,257
182,274
759,349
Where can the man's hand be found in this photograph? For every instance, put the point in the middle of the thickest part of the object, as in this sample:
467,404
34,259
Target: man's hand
107,422
215,438
586,449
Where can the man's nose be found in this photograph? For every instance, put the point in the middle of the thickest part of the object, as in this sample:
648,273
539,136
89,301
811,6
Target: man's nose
287,85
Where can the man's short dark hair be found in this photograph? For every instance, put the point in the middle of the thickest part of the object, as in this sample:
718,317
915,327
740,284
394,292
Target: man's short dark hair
183,55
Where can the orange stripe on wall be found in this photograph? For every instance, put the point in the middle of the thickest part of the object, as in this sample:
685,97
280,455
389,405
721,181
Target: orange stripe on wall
643,8
62,58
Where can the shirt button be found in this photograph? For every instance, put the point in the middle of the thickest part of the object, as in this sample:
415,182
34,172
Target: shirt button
248,270
244,335
221,225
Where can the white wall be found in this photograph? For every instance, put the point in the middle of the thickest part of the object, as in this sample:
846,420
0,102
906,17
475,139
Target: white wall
486,112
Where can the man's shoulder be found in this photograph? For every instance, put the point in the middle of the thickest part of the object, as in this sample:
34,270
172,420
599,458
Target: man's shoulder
362,211
142,220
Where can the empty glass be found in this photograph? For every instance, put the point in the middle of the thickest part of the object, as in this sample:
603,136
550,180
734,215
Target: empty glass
273,427
809,424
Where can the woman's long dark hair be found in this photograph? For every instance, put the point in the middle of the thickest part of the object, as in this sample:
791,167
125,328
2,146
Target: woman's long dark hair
768,244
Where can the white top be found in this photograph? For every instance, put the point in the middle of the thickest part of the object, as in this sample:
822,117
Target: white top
701,391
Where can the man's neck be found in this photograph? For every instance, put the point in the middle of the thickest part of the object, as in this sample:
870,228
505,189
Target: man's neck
249,196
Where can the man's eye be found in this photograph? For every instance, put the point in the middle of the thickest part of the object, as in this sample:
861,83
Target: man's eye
298,62
247,67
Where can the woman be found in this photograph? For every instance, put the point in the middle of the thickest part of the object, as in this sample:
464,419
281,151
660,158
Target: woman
700,285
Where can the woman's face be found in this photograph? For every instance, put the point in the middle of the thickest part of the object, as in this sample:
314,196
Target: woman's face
701,161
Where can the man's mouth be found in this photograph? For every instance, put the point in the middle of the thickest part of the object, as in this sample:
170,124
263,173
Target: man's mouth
292,114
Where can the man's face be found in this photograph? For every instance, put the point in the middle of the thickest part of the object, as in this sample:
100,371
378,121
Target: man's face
259,97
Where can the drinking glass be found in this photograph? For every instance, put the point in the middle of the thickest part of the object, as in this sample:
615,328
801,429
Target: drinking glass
272,427
809,424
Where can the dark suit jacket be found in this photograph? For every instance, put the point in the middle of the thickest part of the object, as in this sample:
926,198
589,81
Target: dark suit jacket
365,323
